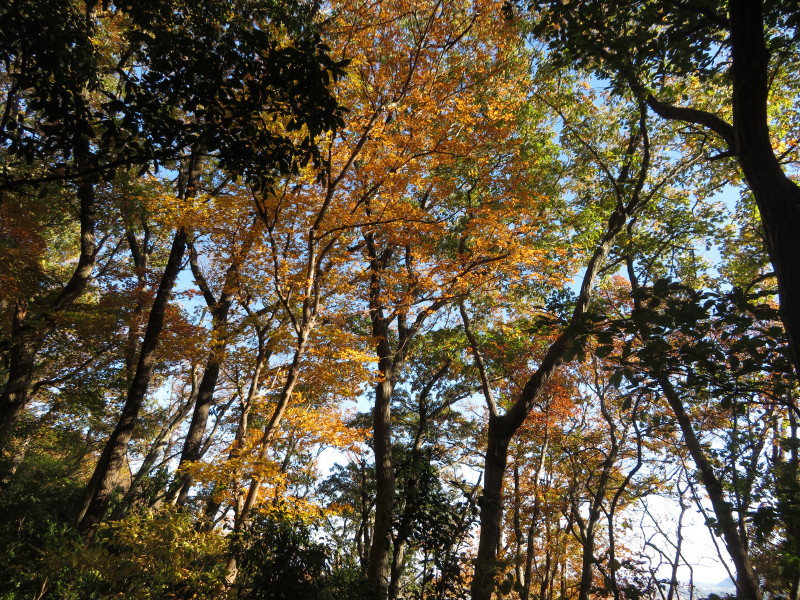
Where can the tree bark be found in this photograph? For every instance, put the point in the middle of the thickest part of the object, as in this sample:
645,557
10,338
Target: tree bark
98,492
390,364
24,348
491,509
777,196
378,565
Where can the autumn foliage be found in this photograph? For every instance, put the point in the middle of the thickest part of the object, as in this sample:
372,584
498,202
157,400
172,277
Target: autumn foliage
390,299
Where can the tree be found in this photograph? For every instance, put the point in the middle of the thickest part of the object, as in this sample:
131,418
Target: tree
503,427
439,264
219,306
636,168
721,72
716,356
157,108
279,560
416,189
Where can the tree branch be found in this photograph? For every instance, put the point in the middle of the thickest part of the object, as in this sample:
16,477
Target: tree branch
693,115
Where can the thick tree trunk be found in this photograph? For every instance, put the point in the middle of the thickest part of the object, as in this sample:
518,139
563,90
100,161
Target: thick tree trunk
378,566
587,560
101,485
193,443
379,561
398,566
777,196
491,505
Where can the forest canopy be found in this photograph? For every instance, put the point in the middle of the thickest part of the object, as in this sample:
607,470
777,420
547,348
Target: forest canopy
401,299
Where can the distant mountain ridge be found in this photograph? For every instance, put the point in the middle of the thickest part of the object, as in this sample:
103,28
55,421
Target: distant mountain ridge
704,589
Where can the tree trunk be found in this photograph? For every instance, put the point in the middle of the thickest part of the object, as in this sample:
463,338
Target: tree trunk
519,537
491,514
746,581
214,502
364,534
503,428
412,500
193,445
379,563
267,436
29,334
546,578
157,449
24,348
378,566
777,196
527,573
590,529
727,525
403,531
398,566
101,485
